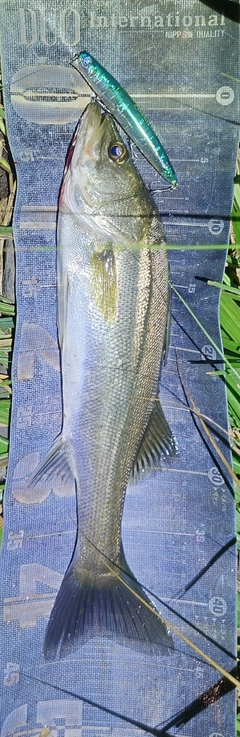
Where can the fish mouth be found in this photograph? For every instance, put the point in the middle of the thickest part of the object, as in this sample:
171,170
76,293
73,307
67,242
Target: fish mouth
85,155
90,133
86,142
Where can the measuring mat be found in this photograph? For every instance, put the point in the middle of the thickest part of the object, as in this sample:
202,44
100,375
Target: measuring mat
178,61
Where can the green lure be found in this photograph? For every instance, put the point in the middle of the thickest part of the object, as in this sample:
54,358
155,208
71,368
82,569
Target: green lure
125,111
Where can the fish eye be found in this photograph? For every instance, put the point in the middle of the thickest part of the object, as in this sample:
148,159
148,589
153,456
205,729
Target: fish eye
118,152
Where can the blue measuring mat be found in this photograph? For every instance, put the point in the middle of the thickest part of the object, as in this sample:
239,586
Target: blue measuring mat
178,524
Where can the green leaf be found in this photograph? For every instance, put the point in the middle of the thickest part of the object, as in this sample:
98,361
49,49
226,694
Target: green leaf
6,308
230,345
4,357
4,164
230,317
2,126
6,231
4,443
238,522
6,300
4,411
3,460
237,495
233,405
6,322
225,288
236,227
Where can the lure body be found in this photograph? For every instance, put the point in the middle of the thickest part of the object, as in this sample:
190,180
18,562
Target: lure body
126,113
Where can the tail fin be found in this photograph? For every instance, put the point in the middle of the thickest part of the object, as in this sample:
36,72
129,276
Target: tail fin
104,607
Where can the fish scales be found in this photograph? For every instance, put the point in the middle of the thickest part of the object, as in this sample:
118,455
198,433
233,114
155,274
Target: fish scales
109,402
113,302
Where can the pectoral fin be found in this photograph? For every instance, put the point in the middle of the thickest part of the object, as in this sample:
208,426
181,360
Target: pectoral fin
104,284
157,441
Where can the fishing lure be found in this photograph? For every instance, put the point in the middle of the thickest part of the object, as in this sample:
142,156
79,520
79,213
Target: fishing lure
125,111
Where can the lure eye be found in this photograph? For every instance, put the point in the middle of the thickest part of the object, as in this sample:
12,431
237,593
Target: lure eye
118,152
86,60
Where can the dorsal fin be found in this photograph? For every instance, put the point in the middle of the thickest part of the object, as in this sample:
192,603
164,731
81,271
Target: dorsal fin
157,441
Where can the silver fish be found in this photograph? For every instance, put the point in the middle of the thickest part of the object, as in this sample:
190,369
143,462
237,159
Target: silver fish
113,303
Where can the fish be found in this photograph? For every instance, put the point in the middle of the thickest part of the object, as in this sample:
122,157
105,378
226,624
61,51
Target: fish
113,307
125,111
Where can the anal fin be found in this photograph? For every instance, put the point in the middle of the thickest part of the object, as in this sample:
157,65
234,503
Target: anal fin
157,442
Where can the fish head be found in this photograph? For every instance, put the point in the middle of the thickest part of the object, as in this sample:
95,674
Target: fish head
102,186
